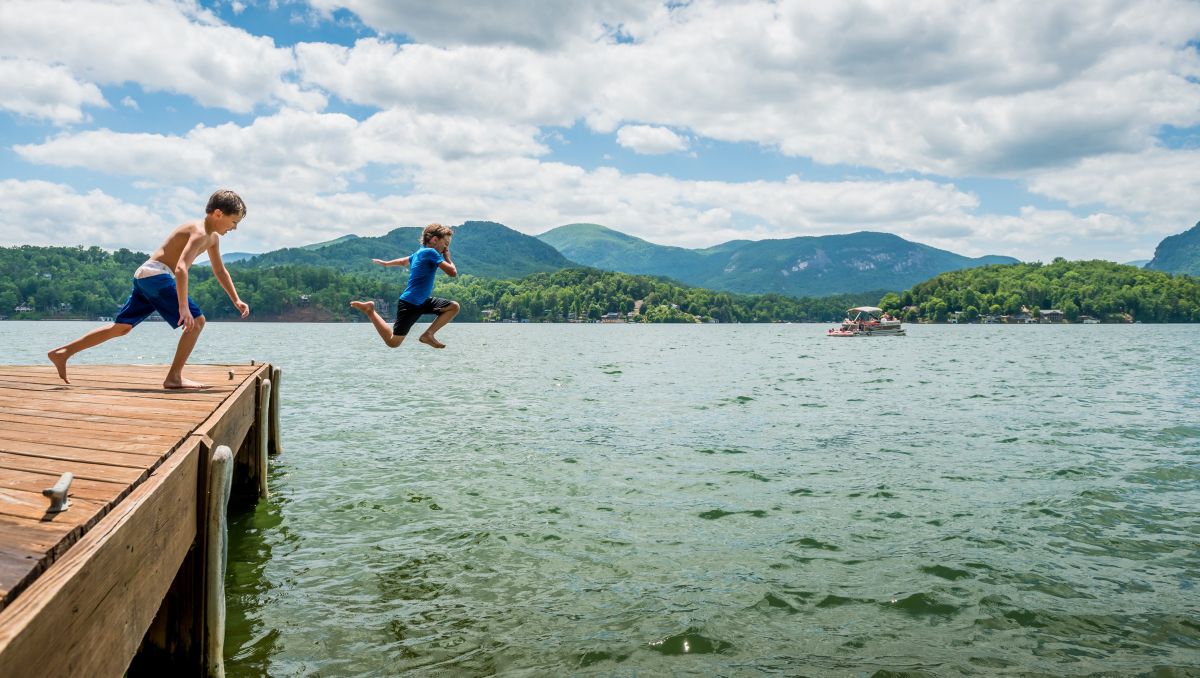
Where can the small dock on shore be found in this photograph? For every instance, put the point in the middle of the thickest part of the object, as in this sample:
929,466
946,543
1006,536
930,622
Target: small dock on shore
128,578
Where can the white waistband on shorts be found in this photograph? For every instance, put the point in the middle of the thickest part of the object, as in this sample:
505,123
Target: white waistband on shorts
152,267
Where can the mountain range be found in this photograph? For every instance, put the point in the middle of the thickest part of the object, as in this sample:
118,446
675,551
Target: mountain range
805,266
802,266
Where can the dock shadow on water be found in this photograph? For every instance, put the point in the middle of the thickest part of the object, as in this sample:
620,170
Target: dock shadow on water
532,512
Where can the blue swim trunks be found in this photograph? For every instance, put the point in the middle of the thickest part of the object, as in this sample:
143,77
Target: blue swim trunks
155,293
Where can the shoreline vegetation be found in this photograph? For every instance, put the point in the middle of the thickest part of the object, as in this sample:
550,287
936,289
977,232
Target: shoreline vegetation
78,283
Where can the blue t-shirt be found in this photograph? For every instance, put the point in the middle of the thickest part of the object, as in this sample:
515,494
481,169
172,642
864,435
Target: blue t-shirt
423,266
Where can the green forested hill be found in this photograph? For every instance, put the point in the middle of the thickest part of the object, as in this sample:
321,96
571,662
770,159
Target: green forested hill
76,282
1178,253
1100,289
805,266
481,248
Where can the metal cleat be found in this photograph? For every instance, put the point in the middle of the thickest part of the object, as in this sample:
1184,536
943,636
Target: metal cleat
59,501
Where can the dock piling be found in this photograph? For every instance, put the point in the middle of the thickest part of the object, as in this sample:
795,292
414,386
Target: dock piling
220,482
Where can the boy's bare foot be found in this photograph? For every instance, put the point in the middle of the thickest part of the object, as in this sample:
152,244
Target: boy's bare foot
367,307
428,339
183,384
59,357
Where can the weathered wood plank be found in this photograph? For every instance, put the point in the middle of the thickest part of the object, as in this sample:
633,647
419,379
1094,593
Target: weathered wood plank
109,398
32,505
110,442
72,454
33,481
83,427
149,412
87,470
163,423
87,613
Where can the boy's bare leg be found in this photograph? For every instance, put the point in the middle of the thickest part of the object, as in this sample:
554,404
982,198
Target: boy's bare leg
187,342
60,355
385,330
437,324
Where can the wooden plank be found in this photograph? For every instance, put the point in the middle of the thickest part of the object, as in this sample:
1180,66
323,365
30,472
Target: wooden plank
137,376
107,398
33,481
82,427
90,471
87,613
110,442
73,454
32,505
163,423
148,412
203,395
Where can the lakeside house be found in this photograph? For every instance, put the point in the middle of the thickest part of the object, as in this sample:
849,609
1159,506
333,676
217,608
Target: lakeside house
23,308
613,317
1050,315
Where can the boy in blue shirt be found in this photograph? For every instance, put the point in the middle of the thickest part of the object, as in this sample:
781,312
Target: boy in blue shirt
417,299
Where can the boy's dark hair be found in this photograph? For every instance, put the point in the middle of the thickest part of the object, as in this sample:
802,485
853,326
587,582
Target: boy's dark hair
227,201
434,231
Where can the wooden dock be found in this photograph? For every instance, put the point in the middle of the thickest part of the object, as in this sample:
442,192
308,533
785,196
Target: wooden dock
120,573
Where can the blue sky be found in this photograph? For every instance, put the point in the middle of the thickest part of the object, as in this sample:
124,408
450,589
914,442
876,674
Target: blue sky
1031,129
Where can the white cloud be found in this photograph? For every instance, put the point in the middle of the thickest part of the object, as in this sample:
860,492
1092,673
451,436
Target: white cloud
1163,185
46,213
161,45
648,140
947,88
130,102
523,22
36,90
304,151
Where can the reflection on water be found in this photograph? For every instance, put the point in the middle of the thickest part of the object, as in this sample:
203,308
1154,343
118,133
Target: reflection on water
731,500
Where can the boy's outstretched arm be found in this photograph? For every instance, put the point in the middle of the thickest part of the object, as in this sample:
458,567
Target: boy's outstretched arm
222,276
402,261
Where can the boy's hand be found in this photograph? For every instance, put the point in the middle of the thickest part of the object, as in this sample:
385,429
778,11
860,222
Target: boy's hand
381,262
186,321
242,307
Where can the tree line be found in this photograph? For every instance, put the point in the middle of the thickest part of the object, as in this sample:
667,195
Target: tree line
1098,289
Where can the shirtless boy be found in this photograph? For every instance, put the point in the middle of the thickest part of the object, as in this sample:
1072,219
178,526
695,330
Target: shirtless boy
161,284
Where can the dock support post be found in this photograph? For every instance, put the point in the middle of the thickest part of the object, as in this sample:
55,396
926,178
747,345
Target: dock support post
220,481
264,426
276,446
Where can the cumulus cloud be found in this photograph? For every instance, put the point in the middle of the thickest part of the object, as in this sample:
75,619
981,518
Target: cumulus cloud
47,213
946,88
36,90
303,150
1161,184
649,140
531,23
159,44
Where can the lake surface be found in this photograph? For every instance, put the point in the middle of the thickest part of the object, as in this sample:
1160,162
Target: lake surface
742,500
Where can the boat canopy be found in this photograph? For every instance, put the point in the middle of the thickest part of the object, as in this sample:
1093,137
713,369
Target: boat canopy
866,309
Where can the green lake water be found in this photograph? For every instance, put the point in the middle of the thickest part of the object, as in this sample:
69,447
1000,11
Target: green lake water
737,500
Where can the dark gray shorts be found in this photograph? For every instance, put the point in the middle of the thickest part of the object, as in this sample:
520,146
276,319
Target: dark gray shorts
407,314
